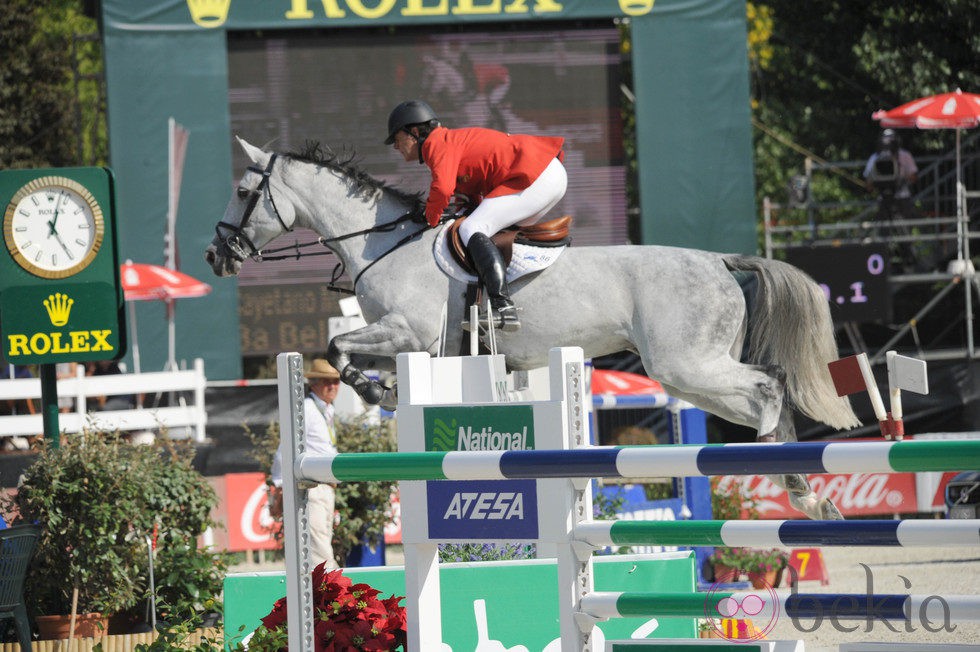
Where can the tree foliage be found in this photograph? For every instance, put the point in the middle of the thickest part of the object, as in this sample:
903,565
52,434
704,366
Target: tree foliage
833,63
44,113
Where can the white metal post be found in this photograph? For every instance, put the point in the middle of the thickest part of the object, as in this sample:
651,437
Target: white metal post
295,519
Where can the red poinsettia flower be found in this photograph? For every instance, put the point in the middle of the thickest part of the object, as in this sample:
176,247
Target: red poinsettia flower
349,616
277,616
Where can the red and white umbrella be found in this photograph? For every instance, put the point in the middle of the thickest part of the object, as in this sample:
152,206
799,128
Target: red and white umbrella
956,110
145,282
609,381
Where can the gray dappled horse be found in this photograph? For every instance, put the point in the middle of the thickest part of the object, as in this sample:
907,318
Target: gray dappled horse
681,310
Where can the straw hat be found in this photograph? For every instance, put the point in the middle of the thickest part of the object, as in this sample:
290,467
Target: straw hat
322,369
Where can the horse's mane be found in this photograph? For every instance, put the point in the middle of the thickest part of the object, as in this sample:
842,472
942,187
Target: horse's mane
345,162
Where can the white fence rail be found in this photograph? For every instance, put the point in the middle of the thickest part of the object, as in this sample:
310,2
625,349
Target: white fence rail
82,388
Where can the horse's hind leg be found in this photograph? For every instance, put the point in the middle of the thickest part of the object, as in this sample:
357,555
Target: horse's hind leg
752,396
801,495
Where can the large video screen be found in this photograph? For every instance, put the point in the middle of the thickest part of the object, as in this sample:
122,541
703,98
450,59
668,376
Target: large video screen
337,87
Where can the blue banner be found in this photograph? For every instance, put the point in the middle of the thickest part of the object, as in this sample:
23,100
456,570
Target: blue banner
483,510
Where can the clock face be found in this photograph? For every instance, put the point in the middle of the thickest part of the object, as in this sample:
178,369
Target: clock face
53,227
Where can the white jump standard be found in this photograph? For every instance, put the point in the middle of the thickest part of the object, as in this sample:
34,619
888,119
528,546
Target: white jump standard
553,489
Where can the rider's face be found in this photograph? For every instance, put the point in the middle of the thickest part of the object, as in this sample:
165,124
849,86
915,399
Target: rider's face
407,145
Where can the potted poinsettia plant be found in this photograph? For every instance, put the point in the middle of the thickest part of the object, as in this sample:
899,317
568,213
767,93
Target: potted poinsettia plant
348,617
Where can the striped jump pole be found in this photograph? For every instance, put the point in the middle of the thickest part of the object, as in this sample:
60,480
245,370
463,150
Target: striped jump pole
780,533
649,461
766,605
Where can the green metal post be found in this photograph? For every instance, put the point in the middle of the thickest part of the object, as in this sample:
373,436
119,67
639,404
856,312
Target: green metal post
49,404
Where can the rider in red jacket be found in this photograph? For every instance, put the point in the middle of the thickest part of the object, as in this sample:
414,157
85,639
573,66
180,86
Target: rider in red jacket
515,178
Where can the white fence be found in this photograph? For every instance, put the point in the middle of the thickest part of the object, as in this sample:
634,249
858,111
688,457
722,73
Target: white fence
82,388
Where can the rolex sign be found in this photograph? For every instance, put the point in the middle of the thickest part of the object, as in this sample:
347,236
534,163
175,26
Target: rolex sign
60,297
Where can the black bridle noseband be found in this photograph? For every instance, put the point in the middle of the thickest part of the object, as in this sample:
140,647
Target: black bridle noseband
236,240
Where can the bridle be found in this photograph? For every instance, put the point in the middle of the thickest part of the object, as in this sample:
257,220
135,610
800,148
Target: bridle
236,240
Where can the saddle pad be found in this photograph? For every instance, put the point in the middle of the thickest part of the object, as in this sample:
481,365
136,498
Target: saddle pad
526,259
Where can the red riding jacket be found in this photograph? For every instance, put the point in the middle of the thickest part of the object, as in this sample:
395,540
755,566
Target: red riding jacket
483,163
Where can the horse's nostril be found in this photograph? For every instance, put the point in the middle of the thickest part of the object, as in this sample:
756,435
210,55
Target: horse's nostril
209,256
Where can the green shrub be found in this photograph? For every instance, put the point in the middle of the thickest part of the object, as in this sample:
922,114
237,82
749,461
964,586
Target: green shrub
98,498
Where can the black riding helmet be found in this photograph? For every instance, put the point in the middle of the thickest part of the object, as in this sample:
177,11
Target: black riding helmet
408,113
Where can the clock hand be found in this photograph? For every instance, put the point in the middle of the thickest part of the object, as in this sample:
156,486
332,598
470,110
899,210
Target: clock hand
51,224
62,243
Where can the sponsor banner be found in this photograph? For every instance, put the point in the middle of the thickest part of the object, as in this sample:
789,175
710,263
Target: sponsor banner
855,494
241,14
509,605
249,525
483,510
479,428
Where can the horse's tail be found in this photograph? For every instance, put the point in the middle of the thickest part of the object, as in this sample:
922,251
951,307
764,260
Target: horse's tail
790,326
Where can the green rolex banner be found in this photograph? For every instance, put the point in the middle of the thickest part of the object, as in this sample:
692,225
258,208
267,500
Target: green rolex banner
246,14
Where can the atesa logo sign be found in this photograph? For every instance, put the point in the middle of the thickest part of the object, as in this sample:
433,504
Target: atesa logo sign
481,510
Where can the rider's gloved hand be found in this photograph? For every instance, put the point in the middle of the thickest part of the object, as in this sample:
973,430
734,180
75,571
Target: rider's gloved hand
459,205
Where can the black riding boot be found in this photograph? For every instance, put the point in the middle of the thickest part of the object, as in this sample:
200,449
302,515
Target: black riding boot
491,270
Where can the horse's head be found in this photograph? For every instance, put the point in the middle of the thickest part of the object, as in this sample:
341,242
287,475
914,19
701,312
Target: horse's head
252,217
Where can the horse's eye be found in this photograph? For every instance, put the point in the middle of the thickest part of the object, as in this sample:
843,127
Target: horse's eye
242,193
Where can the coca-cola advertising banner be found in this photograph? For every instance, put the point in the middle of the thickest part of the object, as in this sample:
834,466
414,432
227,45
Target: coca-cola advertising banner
855,494
249,525
244,512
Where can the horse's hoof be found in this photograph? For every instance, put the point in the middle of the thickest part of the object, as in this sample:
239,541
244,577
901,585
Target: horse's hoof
829,511
389,399
370,391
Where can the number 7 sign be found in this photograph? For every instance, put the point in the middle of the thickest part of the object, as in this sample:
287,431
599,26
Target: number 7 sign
807,564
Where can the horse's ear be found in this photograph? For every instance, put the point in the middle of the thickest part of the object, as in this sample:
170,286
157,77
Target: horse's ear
251,151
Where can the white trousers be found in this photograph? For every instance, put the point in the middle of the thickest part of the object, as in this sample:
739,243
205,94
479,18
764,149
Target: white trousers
320,511
525,207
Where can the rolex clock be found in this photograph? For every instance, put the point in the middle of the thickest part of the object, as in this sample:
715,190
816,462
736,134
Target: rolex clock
53,227
60,296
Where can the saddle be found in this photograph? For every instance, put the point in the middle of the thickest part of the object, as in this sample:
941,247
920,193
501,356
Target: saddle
550,233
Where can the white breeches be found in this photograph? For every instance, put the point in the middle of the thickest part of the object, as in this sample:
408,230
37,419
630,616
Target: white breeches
320,511
525,207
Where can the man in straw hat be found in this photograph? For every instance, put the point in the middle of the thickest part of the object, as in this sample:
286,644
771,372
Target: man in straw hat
321,439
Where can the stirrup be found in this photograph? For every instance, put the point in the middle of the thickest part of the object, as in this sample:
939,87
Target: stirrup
504,320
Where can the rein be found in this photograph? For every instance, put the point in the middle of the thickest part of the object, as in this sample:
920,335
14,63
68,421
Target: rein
338,270
234,241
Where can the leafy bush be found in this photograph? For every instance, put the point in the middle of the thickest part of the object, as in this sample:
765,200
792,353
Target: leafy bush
453,552
364,507
98,498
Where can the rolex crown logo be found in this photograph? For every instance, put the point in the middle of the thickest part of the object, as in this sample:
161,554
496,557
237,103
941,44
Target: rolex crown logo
58,306
209,13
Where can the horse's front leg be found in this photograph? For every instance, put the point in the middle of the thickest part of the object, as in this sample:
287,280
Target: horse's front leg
385,338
